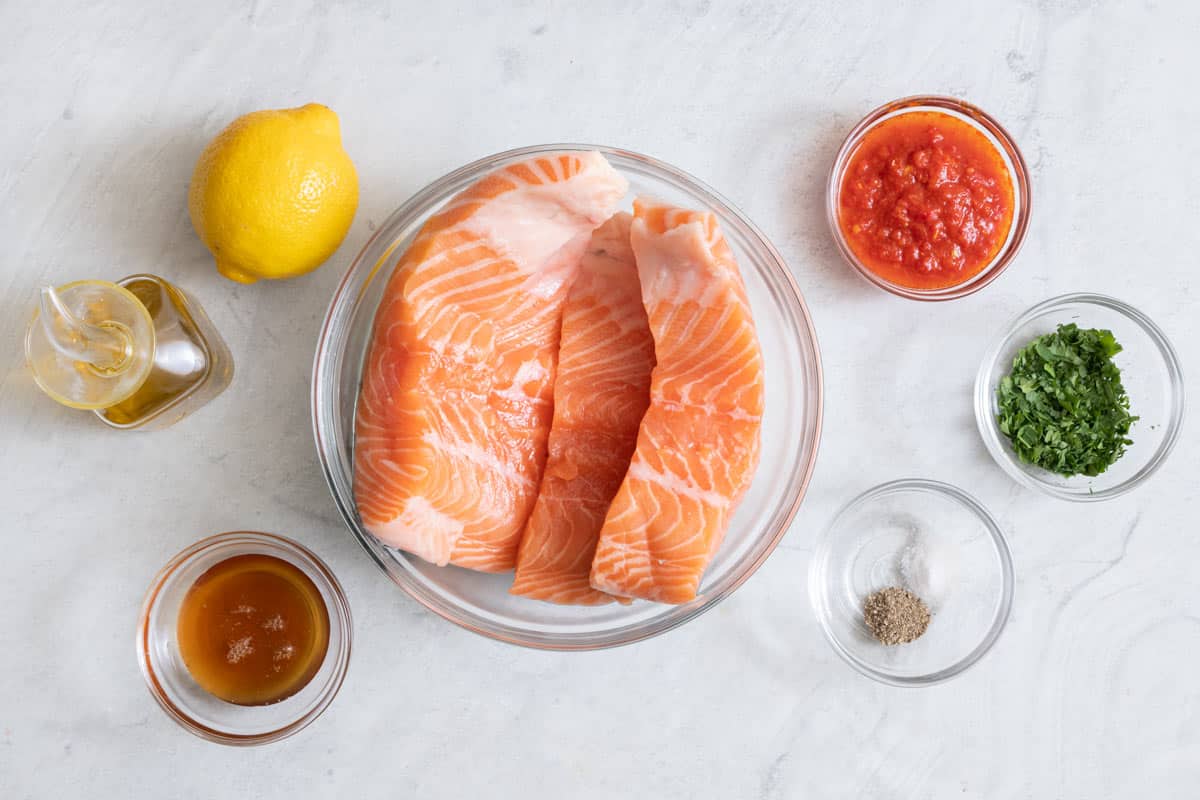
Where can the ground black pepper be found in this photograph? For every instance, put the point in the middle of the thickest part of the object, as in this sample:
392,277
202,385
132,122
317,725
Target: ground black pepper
895,615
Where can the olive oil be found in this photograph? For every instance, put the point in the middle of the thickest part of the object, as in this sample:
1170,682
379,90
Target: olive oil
192,364
140,353
253,630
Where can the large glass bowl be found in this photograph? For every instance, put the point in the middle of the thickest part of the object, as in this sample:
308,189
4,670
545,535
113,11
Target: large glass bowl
791,425
1150,372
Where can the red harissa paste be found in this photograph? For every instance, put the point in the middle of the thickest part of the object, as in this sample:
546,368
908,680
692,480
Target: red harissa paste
926,201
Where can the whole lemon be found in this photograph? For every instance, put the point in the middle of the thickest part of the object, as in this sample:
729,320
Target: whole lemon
273,195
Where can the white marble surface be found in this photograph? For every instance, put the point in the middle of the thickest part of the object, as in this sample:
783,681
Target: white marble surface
1092,690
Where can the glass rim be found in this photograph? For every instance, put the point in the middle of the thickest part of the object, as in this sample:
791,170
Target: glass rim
996,134
989,429
338,474
33,331
1007,589
339,618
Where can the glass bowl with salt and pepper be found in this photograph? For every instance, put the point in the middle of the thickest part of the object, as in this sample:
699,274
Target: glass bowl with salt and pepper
912,582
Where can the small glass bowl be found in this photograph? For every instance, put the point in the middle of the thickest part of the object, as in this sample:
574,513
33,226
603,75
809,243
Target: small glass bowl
1150,373
1004,144
966,572
172,685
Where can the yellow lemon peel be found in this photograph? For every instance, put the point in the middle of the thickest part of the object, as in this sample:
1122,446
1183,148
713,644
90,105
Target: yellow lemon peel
273,195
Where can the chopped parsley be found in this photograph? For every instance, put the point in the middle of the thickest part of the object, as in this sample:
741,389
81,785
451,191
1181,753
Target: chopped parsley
1063,406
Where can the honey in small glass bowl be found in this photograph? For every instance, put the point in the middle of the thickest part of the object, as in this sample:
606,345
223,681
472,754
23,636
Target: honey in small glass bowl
244,638
253,630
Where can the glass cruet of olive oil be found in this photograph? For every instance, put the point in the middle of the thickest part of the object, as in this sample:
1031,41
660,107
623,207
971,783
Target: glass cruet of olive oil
139,353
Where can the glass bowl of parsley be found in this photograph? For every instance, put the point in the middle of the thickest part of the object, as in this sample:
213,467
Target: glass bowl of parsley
1081,398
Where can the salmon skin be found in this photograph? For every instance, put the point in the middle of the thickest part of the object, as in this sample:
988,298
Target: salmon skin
698,443
456,397
605,356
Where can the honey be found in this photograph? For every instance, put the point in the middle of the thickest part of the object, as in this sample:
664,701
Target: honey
253,630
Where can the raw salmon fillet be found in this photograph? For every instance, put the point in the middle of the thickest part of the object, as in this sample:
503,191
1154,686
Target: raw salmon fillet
605,356
455,404
698,444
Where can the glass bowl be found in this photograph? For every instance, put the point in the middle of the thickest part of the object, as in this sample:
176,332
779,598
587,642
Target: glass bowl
1150,373
172,685
1000,139
791,424
928,537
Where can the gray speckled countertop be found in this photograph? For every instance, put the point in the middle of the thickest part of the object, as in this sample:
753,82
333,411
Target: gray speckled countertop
1091,692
